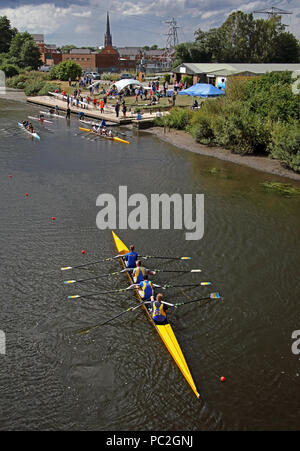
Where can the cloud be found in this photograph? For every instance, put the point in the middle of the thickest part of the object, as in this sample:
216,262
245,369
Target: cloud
133,22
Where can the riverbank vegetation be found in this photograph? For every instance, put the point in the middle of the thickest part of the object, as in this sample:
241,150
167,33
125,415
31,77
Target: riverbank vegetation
260,116
241,39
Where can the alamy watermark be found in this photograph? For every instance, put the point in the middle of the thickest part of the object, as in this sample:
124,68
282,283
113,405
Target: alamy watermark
296,343
154,213
2,342
2,83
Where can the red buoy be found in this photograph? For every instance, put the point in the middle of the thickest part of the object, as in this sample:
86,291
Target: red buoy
83,251
53,218
26,194
10,176
222,379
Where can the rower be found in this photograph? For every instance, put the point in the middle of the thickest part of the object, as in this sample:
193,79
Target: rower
103,123
52,111
110,133
42,117
130,257
159,310
57,110
145,288
140,272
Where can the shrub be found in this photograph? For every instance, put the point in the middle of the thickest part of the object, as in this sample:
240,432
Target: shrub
187,80
110,76
65,70
167,78
178,118
48,87
285,144
33,87
10,70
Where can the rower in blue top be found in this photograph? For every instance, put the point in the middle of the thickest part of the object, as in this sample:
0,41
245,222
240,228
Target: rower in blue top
130,257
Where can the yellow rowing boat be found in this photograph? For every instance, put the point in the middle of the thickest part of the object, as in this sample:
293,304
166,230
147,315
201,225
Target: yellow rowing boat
165,331
112,138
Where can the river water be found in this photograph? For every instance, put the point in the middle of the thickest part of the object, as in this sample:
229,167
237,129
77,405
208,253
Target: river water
120,377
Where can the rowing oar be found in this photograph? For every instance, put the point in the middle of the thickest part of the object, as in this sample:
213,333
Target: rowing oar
165,258
67,282
132,287
130,309
211,296
66,268
166,270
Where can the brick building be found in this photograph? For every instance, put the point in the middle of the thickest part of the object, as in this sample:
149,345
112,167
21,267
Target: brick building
49,53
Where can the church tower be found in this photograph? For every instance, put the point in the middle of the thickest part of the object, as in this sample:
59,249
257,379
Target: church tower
107,37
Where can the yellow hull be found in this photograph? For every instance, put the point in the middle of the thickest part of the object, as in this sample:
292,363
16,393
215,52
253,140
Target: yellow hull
112,138
166,332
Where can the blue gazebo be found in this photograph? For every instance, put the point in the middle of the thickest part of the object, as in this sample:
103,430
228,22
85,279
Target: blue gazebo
202,90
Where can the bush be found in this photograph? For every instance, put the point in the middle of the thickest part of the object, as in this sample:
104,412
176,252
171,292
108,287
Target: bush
10,70
285,144
65,70
48,87
108,76
167,78
33,88
201,127
178,118
187,80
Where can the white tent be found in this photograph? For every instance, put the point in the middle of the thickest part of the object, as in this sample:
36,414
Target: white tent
121,84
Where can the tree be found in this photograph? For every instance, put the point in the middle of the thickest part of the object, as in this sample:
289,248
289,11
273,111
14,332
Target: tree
65,70
30,55
243,39
190,52
67,48
6,34
25,51
287,48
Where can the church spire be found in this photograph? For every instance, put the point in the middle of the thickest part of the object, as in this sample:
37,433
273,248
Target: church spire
107,37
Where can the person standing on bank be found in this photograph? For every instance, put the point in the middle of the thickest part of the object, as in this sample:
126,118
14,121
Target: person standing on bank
117,109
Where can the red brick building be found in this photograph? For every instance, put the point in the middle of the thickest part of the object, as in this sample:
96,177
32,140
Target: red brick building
49,53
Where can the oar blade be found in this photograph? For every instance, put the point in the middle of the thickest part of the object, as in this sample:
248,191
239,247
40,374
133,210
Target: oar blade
67,282
185,258
75,296
196,270
215,296
66,268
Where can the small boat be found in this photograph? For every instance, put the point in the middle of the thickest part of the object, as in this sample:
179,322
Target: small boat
52,114
34,135
40,119
112,138
165,331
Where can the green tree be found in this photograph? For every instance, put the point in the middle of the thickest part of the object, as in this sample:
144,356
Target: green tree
25,51
6,34
65,70
67,48
287,48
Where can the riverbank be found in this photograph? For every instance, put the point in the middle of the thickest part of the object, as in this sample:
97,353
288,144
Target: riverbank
185,141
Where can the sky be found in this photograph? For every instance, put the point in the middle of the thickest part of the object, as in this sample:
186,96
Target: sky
133,22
